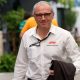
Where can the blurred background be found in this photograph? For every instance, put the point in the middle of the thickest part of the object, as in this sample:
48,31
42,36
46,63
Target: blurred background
12,12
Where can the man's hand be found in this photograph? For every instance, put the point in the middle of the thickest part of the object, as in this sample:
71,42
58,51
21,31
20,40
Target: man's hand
51,72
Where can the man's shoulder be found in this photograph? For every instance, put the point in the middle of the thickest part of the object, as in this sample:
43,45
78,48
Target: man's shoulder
60,30
29,31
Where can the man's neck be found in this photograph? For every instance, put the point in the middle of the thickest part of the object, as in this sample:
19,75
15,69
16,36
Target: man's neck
42,32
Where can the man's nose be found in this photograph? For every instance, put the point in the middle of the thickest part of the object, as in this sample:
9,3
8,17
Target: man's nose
43,17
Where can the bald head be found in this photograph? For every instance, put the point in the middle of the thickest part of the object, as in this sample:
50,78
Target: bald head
41,4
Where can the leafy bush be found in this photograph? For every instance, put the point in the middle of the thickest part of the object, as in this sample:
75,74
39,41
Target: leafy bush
2,2
70,18
13,18
7,62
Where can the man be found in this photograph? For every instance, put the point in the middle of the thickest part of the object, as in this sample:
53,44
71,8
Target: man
42,44
30,22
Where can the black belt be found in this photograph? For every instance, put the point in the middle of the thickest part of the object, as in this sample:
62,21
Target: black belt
29,79
49,78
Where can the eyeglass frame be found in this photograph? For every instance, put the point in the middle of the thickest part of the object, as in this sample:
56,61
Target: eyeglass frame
39,15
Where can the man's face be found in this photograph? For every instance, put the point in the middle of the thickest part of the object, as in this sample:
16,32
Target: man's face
43,16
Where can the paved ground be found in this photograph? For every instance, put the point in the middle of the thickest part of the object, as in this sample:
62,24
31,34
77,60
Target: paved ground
77,77
4,76
10,75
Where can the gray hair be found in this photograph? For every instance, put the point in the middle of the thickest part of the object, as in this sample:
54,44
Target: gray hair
41,3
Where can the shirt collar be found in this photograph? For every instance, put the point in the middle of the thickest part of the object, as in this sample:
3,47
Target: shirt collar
52,30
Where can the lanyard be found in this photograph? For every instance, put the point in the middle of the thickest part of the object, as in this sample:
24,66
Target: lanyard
38,41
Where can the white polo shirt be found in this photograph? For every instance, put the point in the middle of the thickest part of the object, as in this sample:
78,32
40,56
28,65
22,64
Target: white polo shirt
35,56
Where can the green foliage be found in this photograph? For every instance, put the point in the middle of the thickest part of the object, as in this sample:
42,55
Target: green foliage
13,18
70,3
2,2
7,63
70,18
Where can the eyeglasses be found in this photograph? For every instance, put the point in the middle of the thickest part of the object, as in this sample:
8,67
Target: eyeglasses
40,15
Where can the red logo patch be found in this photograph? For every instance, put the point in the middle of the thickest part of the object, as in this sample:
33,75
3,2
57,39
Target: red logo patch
52,42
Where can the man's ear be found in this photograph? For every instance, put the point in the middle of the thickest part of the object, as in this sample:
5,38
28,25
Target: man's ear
53,13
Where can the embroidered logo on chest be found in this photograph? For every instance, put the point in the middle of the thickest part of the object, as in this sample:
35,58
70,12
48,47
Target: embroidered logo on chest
52,43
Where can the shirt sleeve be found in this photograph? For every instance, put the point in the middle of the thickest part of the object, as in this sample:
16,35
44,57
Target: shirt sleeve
21,63
73,52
